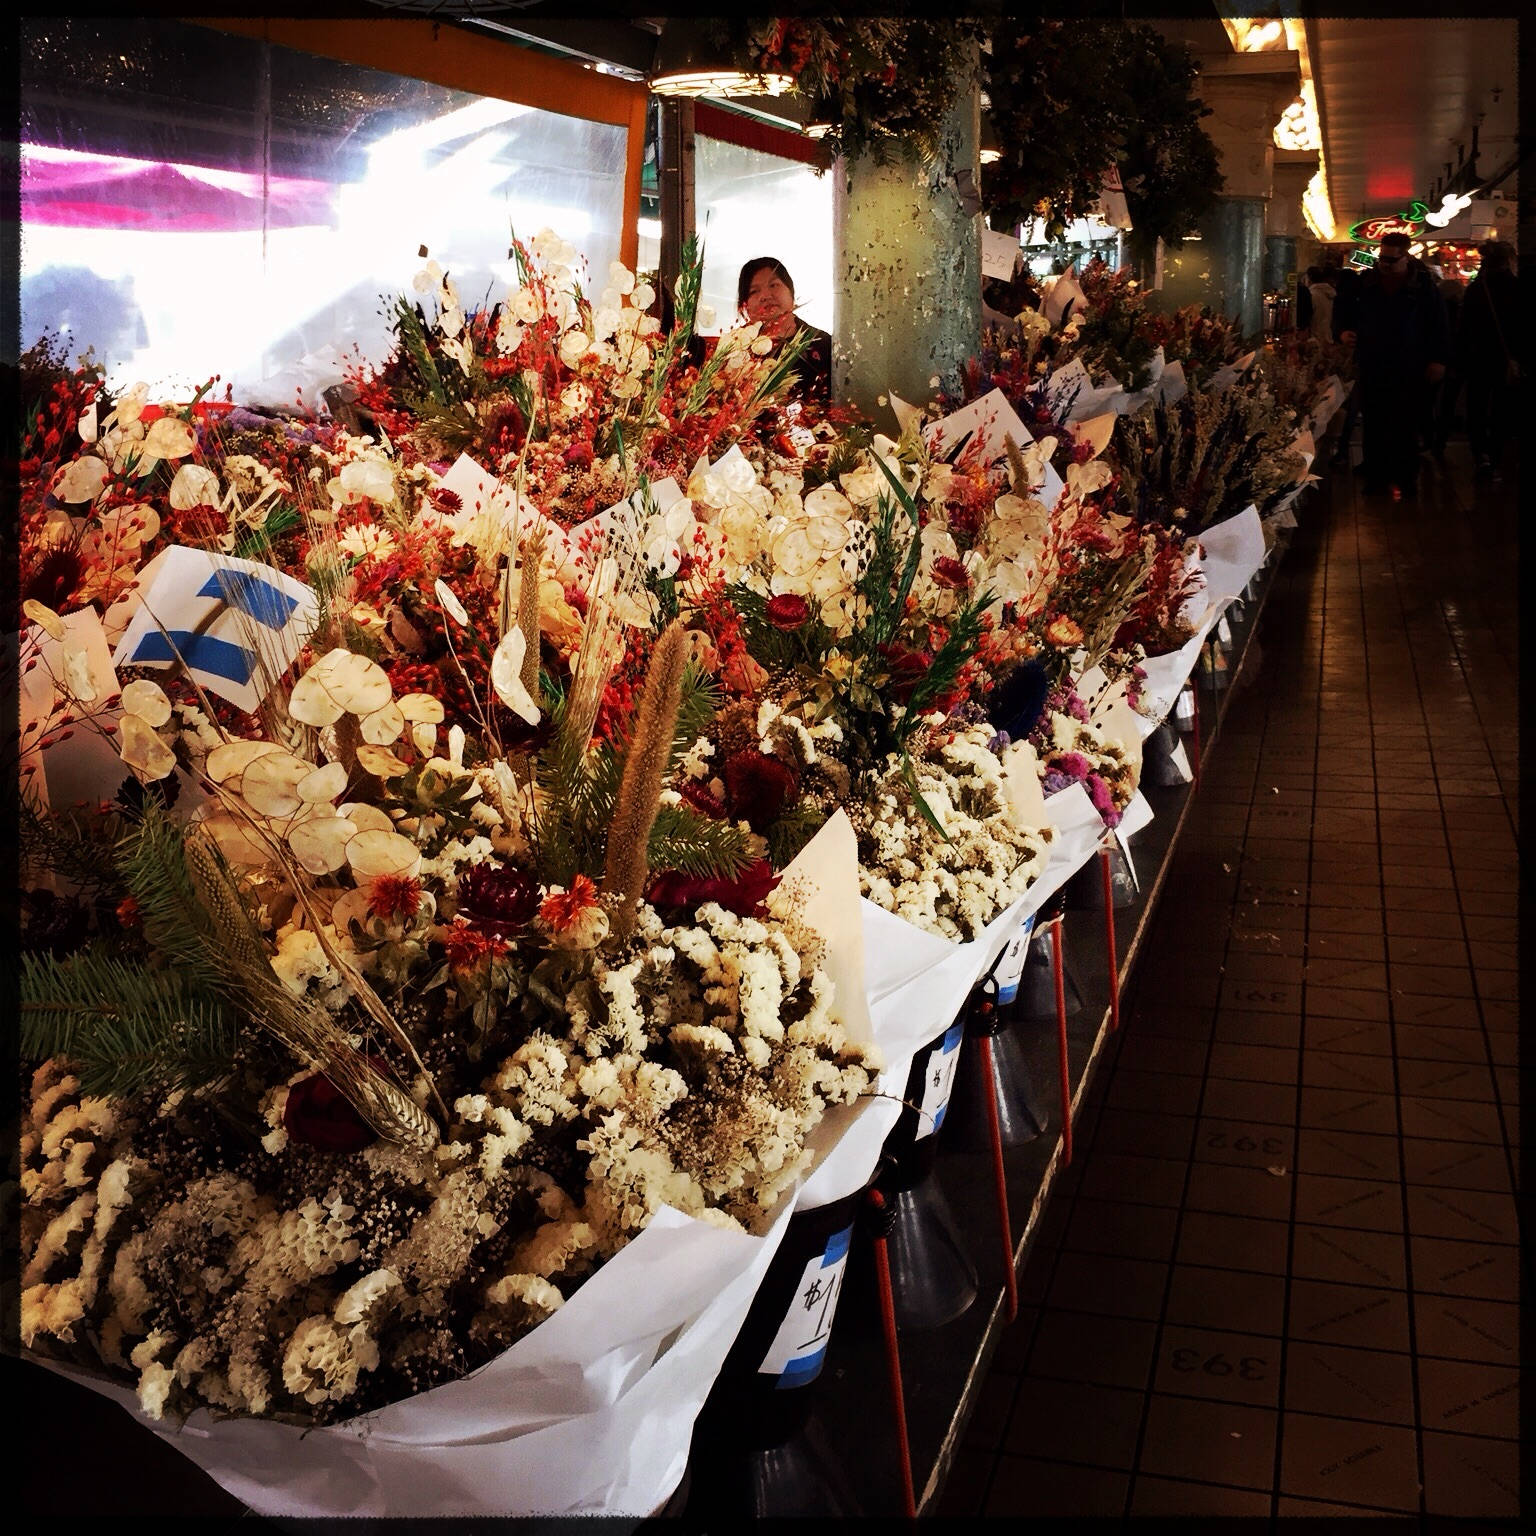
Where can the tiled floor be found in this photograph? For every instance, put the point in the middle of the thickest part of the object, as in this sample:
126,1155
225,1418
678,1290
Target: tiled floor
1281,1277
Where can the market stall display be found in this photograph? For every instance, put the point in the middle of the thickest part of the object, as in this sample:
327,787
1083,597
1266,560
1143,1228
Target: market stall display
504,853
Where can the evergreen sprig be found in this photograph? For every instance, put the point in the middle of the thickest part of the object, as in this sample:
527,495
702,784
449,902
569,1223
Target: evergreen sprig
126,1026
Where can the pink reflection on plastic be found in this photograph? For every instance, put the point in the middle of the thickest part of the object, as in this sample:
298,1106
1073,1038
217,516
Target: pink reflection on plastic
73,188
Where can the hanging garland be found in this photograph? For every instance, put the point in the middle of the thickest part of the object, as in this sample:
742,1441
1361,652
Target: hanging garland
1071,99
883,84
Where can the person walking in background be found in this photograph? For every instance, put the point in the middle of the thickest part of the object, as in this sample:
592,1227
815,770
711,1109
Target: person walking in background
1321,287
1489,331
1346,281
1444,395
1397,323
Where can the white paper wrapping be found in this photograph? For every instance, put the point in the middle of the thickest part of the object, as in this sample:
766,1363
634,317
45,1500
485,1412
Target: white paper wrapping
1137,816
1126,403
1167,674
1234,551
1074,396
591,1413
1172,386
1329,400
918,981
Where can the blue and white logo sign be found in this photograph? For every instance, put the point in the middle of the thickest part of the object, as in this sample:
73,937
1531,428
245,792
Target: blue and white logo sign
800,1345
939,1081
236,625
1010,967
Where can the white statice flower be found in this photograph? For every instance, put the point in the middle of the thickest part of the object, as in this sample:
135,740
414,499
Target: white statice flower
952,888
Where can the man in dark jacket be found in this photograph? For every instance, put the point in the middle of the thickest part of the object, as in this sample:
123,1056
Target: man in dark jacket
1490,332
1396,319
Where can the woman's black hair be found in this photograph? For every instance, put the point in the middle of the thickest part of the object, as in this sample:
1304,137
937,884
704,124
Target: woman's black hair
750,270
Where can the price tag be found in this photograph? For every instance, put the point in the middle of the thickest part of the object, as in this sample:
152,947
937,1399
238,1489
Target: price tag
939,1081
1011,966
800,1345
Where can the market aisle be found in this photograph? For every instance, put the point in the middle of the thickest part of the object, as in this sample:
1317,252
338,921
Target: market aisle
1281,1277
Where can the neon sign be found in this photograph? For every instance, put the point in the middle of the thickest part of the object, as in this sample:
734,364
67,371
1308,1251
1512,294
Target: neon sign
1410,222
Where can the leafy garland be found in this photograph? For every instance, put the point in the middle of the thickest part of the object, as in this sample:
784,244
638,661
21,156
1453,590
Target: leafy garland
1071,99
885,84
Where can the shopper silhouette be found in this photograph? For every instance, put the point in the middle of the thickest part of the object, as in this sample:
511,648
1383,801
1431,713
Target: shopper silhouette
1396,320
1490,321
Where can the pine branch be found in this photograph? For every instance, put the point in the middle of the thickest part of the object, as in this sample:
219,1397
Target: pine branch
696,707
792,831
127,1027
57,842
697,846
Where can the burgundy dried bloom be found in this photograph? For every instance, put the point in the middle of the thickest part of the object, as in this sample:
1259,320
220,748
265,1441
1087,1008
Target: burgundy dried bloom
445,501
788,611
317,1114
498,901
951,573
907,668
703,799
744,895
758,787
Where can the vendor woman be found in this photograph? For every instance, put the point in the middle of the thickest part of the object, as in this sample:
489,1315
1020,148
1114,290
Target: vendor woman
765,293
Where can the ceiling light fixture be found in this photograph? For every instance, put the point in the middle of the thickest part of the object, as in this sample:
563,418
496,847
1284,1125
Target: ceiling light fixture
689,64
1256,34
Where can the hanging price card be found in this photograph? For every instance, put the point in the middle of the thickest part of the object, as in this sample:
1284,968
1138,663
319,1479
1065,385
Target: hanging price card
800,1345
939,1081
1011,965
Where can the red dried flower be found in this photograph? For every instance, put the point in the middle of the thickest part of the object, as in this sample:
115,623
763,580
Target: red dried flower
951,573
744,895
758,787
128,913
562,909
788,611
446,501
467,946
702,799
394,896
907,668
317,1115
498,901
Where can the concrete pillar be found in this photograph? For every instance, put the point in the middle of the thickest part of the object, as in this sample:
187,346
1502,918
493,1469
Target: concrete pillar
1289,247
908,264
1246,93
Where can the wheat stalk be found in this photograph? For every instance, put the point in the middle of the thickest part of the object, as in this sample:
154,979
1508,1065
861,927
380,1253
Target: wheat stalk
645,769
528,609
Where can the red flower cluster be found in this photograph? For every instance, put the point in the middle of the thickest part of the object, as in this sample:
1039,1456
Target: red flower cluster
788,611
758,788
744,895
466,946
561,910
392,896
498,901
317,1115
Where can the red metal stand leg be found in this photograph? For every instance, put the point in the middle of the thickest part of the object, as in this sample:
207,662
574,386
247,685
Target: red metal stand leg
1109,938
999,1176
893,1365
1061,1040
